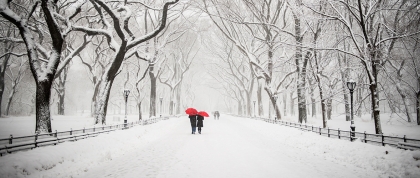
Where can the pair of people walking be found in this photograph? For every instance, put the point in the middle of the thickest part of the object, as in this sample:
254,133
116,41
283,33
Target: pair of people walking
196,121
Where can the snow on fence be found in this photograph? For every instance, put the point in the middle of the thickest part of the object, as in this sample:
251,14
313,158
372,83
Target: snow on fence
13,144
376,139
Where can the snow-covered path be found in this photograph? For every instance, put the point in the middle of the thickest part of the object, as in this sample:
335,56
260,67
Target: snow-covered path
226,148
229,147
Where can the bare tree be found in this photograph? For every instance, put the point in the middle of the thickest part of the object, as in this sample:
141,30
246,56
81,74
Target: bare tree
371,35
9,41
121,41
44,64
15,74
172,76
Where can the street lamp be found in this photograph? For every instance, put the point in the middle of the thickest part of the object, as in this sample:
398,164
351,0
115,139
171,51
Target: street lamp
254,108
275,105
126,92
351,85
161,99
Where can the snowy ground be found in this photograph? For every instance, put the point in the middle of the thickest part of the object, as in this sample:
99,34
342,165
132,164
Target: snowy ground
229,147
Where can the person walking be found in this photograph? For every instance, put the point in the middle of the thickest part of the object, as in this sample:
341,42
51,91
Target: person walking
216,115
193,121
199,123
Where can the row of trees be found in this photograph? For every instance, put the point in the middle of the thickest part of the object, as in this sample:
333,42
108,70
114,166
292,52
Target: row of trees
313,48
124,38
302,51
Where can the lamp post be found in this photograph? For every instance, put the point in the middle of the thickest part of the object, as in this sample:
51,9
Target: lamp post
126,92
351,85
161,99
254,108
275,105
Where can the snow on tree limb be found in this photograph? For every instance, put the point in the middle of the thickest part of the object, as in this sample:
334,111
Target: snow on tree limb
152,34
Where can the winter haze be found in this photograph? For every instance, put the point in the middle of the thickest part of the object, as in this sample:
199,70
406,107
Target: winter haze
325,64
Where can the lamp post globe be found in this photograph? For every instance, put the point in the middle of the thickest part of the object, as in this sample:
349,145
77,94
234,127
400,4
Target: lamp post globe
351,85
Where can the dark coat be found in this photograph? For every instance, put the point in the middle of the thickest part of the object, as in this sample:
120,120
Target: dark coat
200,121
193,120
216,114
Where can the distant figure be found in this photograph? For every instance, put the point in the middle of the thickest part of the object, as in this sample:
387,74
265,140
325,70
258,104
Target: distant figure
193,121
216,115
199,123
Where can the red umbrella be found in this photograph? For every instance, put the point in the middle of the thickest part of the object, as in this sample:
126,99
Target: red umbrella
203,113
191,111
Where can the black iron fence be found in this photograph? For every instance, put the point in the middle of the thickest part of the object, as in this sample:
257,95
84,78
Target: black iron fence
376,139
13,144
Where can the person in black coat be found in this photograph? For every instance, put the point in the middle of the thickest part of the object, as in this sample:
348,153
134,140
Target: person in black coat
193,120
216,115
199,123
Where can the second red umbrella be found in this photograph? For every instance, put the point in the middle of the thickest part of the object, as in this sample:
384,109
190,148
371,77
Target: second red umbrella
203,113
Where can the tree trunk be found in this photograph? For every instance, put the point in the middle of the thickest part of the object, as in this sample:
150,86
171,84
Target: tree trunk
344,75
2,73
329,108
178,99
43,94
375,108
1,89
418,107
292,104
324,112
95,99
404,100
284,102
61,89
9,100
140,112
259,98
300,65
313,103
239,108
171,107
102,103
152,108
61,102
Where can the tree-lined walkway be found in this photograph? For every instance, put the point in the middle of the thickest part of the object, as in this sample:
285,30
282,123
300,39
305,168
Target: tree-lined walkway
229,147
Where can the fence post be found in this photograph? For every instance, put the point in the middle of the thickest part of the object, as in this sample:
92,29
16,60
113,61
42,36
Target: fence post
312,128
365,137
55,134
10,139
383,139
320,130
93,128
71,131
339,137
36,138
405,139
103,128
351,139
83,129
328,129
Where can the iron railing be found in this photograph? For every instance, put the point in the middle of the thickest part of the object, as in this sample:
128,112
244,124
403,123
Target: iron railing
376,139
13,144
